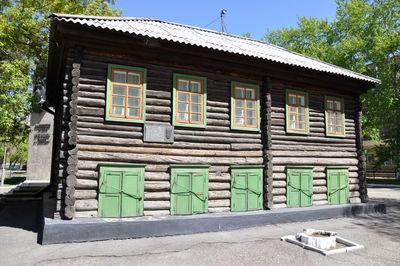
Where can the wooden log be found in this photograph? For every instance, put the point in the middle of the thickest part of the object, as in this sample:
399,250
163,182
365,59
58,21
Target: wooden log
156,196
281,168
169,151
109,133
93,95
279,205
155,213
320,202
279,199
216,134
220,194
319,182
85,194
219,186
219,203
313,139
218,209
245,147
216,139
145,158
156,205
329,154
151,109
318,190
156,176
86,184
314,161
279,191
86,205
279,184
214,177
311,148
156,186
87,174
90,111
90,102
118,127
317,197
158,102
84,139
158,118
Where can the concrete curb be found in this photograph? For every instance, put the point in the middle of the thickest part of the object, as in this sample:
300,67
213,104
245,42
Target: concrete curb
383,186
92,229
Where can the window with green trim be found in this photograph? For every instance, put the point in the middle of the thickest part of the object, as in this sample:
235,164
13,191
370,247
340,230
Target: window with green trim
189,189
246,188
126,93
297,112
189,100
334,117
121,190
245,106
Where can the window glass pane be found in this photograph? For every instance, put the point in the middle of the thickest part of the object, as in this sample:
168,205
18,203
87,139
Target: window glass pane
183,97
118,110
119,76
195,108
133,102
301,100
329,104
239,121
337,105
183,85
120,90
338,115
118,100
330,113
339,122
302,110
293,117
302,125
195,117
250,94
330,121
339,129
292,99
133,112
239,103
132,91
183,107
195,98
331,129
239,92
293,109
302,118
133,78
251,122
195,86
251,113
292,125
239,112
183,116
251,104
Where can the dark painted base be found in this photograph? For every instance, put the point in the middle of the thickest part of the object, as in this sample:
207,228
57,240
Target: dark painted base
91,229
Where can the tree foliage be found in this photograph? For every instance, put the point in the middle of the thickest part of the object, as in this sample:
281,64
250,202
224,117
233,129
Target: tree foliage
24,34
364,37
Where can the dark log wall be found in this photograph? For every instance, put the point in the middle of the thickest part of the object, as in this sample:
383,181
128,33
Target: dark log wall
104,141
314,149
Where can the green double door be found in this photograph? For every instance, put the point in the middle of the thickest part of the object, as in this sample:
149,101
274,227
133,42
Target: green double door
299,189
121,191
189,189
246,189
338,185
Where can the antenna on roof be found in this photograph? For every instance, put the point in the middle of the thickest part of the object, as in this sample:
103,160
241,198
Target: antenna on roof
223,27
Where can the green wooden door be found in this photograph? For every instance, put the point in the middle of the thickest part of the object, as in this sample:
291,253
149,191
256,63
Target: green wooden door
299,189
338,185
246,188
189,189
121,191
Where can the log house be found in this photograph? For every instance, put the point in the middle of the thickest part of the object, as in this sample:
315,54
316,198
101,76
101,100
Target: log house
158,118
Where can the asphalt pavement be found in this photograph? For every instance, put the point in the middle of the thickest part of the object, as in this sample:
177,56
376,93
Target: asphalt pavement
380,234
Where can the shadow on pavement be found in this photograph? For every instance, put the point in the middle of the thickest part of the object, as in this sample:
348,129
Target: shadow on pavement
24,214
387,224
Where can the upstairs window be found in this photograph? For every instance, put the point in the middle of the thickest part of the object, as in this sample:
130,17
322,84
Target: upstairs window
334,117
126,90
297,112
245,113
189,101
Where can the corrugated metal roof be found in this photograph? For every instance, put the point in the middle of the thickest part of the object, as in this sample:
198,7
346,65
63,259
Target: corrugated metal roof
209,39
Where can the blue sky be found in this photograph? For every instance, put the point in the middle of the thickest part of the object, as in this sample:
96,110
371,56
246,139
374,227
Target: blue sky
253,16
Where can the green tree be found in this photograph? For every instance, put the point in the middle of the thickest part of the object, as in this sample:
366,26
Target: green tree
364,37
24,34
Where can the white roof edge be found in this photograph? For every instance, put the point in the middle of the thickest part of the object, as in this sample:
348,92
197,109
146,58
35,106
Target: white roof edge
339,70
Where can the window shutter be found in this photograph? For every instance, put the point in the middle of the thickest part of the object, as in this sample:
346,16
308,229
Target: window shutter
239,192
198,194
109,194
293,186
180,188
254,191
306,189
131,194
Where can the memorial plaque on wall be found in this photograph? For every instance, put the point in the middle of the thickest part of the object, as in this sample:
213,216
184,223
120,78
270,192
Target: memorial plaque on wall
40,146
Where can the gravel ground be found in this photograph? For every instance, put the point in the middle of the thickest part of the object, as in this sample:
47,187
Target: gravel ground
380,234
